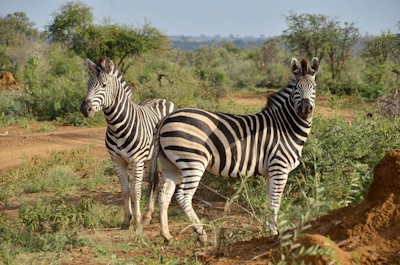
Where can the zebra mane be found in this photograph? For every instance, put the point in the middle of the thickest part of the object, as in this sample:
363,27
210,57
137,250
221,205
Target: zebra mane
107,65
277,99
303,66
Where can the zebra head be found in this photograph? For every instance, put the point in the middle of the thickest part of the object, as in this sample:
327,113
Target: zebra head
304,90
100,92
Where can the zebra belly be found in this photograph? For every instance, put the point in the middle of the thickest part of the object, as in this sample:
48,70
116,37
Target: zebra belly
232,169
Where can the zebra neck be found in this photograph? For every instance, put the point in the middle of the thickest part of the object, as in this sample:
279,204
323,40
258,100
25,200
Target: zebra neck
283,116
123,82
120,112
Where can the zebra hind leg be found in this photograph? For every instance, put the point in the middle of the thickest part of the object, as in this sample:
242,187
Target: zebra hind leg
166,192
184,197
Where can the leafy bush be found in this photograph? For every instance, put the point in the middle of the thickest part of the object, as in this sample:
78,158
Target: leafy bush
343,155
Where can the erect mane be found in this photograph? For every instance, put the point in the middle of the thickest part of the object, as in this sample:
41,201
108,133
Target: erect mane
303,66
278,98
118,73
100,60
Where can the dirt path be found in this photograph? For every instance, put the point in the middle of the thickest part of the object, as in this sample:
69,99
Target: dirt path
14,148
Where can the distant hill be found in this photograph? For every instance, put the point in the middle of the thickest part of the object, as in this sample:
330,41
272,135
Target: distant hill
192,43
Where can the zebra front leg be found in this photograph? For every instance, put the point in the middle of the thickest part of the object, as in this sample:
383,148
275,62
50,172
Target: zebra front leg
276,185
151,173
136,194
121,167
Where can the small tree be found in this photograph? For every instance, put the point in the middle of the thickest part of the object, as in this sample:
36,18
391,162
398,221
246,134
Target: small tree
125,41
17,34
16,27
340,42
321,36
271,52
308,34
73,26
377,51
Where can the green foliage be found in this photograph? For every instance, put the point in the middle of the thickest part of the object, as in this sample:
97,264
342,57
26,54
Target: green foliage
322,36
70,25
290,249
55,215
73,27
54,174
54,88
16,27
343,155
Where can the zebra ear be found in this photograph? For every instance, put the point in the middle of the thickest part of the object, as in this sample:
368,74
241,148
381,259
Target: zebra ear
108,65
295,67
91,66
314,66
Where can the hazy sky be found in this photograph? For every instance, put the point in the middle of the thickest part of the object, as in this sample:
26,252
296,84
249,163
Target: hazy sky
220,17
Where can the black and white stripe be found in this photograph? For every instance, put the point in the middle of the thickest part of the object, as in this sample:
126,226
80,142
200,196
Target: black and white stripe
269,143
130,130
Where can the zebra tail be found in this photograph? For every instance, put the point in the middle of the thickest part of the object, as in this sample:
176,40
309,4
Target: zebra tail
153,167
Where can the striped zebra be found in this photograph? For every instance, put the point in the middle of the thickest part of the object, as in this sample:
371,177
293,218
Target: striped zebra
269,143
129,134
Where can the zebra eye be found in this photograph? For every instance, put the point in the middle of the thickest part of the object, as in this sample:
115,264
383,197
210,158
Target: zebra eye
103,85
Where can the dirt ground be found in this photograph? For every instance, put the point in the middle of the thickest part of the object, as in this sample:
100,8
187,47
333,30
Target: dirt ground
16,145
368,233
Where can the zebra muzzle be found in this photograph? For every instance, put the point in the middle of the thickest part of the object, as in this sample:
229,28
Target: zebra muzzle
306,109
87,109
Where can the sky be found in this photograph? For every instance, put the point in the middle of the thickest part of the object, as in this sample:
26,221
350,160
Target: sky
250,18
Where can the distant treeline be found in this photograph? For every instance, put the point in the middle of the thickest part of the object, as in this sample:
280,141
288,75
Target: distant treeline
192,43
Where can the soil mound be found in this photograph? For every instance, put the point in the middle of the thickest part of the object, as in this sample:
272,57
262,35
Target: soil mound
371,229
8,82
368,233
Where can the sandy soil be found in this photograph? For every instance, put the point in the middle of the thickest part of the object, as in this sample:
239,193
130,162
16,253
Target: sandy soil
16,146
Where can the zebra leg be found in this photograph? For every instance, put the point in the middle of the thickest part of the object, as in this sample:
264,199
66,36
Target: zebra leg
171,177
184,197
136,194
152,197
276,185
121,167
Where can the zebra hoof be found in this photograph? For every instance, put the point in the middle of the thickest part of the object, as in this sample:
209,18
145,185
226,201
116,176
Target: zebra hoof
168,239
139,229
202,239
168,242
273,238
124,227
146,221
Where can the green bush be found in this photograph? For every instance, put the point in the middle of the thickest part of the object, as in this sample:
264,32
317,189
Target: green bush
343,155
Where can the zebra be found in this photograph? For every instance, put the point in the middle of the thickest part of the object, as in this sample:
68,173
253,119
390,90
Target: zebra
130,131
269,143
